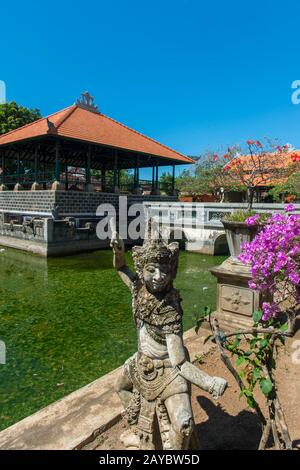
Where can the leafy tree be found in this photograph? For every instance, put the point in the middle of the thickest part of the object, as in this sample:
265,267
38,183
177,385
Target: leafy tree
126,176
289,190
207,177
259,165
166,182
13,115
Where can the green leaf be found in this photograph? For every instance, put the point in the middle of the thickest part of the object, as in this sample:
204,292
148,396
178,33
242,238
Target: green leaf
248,353
249,395
237,342
251,402
253,342
256,374
266,386
263,343
257,316
284,327
240,360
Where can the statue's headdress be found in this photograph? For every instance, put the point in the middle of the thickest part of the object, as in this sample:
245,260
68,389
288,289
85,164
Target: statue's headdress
155,250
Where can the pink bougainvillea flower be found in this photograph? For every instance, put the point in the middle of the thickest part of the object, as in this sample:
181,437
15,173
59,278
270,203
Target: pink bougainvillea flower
269,310
274,258
252,285
215,157
225,155
295,278
250,142
258,143
290,208
253,219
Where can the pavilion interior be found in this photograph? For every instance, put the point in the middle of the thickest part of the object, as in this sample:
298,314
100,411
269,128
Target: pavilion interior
78,165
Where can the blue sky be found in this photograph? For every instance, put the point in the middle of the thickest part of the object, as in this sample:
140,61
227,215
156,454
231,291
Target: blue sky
195,75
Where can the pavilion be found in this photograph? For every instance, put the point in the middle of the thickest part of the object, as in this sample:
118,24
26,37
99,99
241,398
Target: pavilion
43,154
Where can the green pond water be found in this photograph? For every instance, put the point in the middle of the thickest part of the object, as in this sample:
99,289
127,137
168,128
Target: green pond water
67,321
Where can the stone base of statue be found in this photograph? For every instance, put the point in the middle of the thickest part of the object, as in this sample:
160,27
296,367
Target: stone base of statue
236,302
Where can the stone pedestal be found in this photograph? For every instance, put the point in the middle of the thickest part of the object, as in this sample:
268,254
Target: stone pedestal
56,186
18,187
3,187
36,187
236,302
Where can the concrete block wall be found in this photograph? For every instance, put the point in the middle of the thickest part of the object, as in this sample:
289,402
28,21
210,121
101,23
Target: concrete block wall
59,236
71,203
27,201
68,202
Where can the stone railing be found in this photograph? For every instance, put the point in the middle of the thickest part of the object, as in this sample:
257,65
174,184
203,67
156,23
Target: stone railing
207,215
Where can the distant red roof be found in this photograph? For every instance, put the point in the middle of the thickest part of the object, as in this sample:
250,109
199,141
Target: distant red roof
277,167
78,123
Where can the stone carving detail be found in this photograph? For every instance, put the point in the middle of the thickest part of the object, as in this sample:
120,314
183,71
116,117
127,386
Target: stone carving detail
87,102
215,215
154,381
237,299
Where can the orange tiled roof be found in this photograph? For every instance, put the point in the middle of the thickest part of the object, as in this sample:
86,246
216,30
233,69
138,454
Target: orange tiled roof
288,163
78,123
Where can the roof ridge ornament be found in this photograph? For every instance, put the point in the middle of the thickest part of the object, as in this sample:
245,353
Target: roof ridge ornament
87,102
51,126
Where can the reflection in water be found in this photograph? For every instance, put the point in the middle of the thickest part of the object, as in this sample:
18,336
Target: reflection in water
67,321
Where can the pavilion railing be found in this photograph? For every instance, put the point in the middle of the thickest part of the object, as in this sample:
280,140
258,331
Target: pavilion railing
77,182
45,179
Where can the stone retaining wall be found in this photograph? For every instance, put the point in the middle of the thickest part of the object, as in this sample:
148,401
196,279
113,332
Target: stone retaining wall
68,202
53,234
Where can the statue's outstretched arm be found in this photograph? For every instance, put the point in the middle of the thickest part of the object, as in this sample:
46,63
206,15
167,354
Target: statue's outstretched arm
119,260
214,385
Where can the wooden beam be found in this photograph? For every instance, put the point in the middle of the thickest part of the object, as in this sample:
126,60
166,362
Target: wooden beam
88,166
173,179
3,167
57,161
115,170
36,163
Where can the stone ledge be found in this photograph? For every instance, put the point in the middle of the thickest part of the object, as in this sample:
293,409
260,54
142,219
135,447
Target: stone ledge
68,423
75,420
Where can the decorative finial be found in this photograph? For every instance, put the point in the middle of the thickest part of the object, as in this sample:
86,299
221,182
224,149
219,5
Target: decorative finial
51,126
87,102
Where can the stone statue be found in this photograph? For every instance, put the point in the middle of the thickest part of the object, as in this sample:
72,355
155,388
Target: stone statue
154,385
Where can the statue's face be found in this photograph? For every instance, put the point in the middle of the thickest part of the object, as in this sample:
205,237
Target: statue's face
157,277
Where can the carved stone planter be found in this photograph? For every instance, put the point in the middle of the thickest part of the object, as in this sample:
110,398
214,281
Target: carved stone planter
236,302
238,233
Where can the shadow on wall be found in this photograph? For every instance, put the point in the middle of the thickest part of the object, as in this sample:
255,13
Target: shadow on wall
221,245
